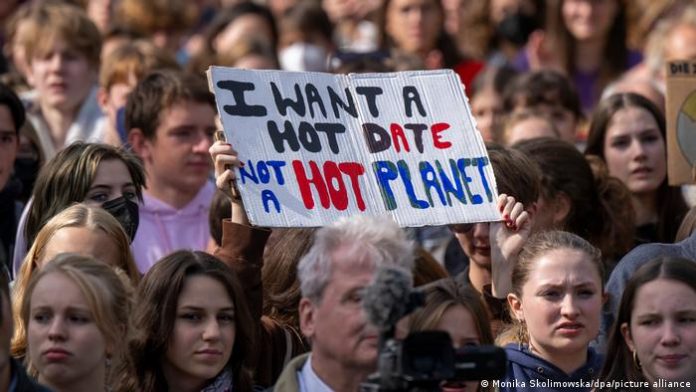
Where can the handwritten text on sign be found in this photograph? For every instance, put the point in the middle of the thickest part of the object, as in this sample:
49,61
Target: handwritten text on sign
320,146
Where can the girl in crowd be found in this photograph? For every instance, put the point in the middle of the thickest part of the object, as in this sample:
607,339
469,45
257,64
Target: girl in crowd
628,133
96,174
515,174
587,41
193,329
76,313
555,297
654,337
457,309
416,27
573,198
79,229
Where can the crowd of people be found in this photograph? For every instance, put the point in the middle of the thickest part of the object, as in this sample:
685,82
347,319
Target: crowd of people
128,261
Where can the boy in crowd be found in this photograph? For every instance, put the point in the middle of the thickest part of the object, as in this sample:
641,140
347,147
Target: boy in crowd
170,118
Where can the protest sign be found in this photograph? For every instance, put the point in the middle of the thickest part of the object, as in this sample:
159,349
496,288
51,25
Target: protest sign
319,146
681,122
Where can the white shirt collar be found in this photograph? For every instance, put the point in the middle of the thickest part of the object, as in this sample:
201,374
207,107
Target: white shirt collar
308,379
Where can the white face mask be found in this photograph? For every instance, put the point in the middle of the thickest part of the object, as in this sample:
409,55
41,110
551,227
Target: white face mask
302,56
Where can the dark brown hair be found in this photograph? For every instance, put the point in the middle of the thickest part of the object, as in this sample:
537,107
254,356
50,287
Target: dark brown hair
159,91
444,43
605,218
543,87
281,288
670,204
621,366
515,174
67,178
154,317
615,53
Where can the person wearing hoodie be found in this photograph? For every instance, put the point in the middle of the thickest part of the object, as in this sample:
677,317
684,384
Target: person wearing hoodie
170,121
555,293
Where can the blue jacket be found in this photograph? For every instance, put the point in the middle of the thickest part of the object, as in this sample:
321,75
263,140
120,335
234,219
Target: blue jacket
526,372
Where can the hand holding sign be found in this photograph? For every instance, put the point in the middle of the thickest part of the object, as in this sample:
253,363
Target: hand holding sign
225,161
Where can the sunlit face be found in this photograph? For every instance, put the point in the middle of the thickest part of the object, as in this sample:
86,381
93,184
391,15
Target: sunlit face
589,19
204,331
634,150
529,128
459,323
249,25
9,144
561,302
414,25
83,241
663,330
475,242
111,181
486,106
177,157
337,325
562,118
63,340
63,77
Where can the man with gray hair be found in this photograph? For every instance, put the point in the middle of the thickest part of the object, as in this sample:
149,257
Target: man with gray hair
333,276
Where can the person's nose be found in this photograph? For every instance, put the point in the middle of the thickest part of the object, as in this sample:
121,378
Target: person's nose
569,307
56,62
211,332
57,330
670,334
638,151
481,231
203,142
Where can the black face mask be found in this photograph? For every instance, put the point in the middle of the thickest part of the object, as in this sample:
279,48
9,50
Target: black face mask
126,213
516,28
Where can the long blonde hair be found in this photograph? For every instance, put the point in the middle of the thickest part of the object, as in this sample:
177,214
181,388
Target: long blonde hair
78,215
108,294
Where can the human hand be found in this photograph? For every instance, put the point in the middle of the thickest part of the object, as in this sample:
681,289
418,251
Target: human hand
225,159
507,239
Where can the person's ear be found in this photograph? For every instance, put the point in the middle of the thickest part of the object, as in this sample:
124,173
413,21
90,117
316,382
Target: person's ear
561,207
102,98
515,304
139,143
307,312
626,333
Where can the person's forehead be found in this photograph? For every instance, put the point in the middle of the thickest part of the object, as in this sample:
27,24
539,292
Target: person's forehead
6,119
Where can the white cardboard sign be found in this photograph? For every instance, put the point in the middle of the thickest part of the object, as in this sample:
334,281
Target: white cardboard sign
319,146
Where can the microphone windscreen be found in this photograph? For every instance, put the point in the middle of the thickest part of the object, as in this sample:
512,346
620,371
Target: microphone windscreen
386,299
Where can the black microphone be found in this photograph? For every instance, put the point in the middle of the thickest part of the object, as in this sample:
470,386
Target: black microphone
390,297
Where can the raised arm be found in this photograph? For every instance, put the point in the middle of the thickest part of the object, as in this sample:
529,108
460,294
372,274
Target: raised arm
242,245
507,239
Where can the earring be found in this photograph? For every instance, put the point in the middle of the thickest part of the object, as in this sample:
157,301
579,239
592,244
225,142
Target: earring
636,361
107,365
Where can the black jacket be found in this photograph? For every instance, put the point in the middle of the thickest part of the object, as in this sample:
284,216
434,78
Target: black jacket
24,383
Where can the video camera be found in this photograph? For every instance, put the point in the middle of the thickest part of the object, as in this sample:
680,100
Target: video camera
423,360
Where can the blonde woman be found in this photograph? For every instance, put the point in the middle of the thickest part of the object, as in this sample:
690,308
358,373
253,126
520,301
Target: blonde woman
76,312
82,229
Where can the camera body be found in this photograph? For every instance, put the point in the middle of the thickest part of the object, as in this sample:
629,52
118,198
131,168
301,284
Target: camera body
425,359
